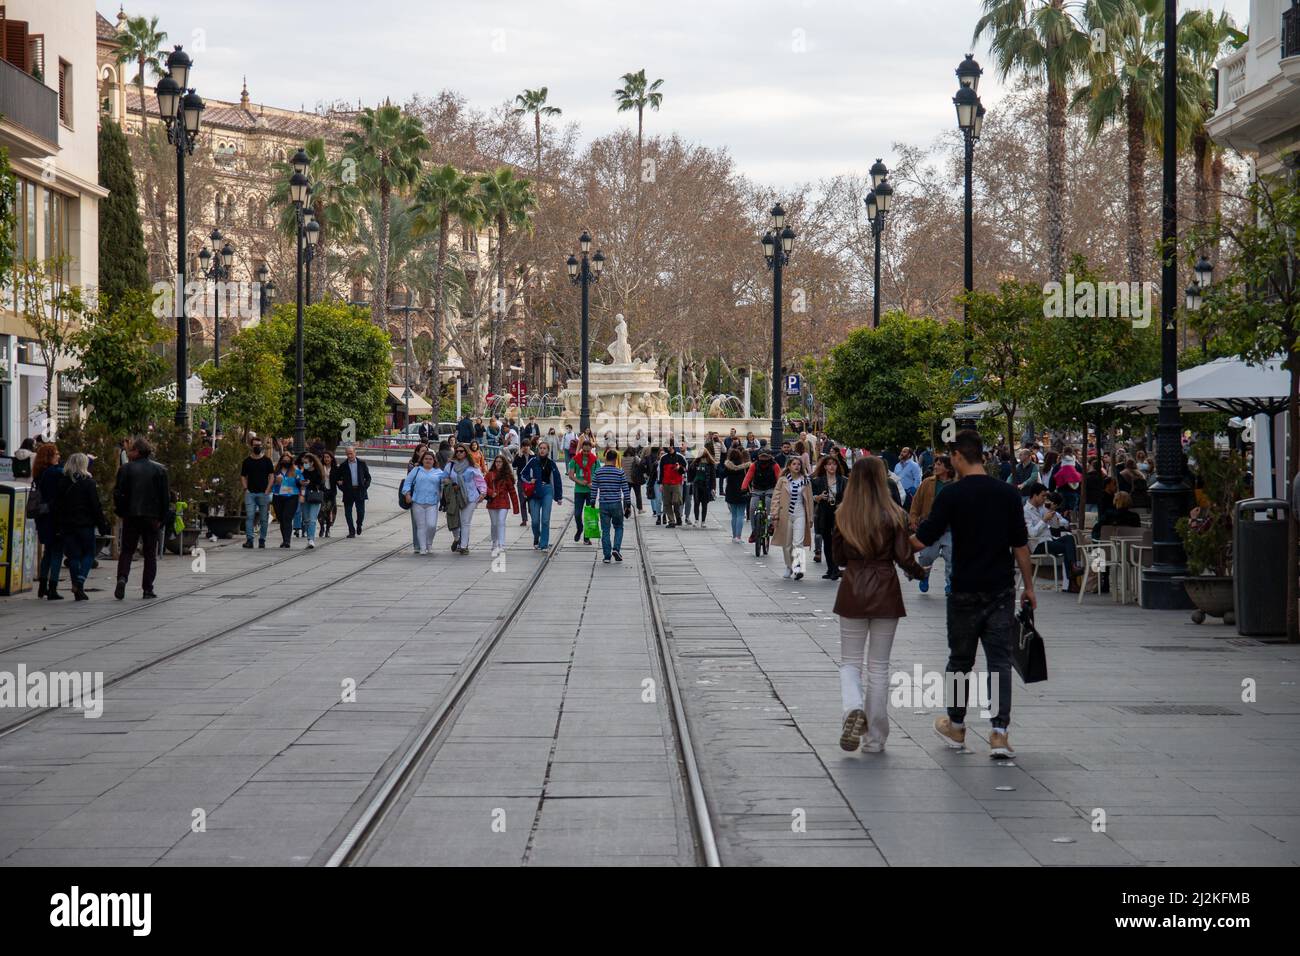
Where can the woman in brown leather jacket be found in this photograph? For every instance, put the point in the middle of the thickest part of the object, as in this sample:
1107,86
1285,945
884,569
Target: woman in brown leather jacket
870,537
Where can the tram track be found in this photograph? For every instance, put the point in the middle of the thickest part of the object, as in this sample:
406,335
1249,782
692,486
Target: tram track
136,607
20,721
360,835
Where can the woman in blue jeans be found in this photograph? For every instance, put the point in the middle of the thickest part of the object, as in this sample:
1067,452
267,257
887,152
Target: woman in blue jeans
313,481
47,474
548,487
737,498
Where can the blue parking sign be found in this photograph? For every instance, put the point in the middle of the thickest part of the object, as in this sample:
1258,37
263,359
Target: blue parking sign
792,384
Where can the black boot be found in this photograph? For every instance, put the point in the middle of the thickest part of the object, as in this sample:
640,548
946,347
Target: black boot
54,595
41,589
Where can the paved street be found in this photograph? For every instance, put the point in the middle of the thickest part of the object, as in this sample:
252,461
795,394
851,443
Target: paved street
557,753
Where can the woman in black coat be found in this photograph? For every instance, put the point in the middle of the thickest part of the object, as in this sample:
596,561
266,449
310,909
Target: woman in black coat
702,474
828,486
78,514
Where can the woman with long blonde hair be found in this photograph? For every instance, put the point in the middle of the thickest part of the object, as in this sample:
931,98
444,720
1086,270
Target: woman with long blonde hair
871,536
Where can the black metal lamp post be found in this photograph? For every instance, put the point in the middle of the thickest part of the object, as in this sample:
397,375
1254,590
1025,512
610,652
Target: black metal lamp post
1161,587
265,290
298,184
777,245
583,273
878,202
181,110
309,250
221,258
970,117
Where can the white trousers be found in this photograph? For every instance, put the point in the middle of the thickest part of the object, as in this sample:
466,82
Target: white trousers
426,524
466,516
498,518
798,525
875,635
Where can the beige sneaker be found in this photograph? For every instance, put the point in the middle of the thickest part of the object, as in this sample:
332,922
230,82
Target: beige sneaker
952,736
1000,747
855,725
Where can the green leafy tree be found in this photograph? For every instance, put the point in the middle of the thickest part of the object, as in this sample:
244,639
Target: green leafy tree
384,154
1005,325
53,310
123,262
1254,311
140,42
117,360
905,366
346,366
1074,360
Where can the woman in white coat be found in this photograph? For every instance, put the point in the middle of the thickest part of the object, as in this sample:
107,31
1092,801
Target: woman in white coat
792,515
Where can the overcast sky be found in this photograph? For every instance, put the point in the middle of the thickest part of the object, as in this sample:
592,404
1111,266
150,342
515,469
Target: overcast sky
794,89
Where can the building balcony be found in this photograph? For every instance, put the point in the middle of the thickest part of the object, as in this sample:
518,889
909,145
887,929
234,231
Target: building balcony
32,109
1259,95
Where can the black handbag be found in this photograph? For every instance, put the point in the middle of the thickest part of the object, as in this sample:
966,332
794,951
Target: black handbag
1029,656
401,495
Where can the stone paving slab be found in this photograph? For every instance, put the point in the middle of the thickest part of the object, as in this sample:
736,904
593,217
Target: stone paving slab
767,694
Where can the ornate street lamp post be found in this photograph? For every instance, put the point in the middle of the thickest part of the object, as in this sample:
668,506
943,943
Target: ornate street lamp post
878,202
1161,587
970,118
265,290
777,242
583,273
298,185
221,257
181,110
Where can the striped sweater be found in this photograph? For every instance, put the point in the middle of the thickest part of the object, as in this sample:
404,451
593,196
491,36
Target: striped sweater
609,484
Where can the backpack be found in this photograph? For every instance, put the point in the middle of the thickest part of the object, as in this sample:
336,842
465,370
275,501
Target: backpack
764,477
37,506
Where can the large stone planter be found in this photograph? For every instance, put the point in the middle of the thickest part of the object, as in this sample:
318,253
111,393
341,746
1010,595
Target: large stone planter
1212,596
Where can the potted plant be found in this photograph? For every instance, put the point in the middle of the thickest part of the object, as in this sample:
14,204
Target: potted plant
220,493
1207,531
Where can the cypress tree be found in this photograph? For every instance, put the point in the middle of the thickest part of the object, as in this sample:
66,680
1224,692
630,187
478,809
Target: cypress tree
123,263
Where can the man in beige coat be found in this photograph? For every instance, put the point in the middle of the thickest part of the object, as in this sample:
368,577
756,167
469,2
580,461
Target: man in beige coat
792,527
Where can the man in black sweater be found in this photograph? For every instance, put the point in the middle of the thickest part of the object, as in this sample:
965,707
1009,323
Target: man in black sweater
141,499
989,539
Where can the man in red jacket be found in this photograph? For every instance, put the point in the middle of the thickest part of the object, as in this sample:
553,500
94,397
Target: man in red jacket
672,472
760,481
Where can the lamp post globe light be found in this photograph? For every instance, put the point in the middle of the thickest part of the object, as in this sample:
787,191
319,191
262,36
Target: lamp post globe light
181,110
878,202
583,272
1161,584
777,242
970,119
299,186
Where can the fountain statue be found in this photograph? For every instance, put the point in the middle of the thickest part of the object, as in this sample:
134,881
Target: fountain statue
626,388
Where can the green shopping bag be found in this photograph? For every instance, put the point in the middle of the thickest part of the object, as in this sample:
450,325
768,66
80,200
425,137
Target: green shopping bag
590,522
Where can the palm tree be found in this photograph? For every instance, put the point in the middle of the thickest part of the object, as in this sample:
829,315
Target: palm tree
534,101
1127,87
508,201
1206,36
445,193
334,199
141,40
384,156
1047,39
635,94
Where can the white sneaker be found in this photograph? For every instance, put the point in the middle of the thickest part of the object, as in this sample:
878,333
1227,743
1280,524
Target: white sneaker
311,545
788,574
